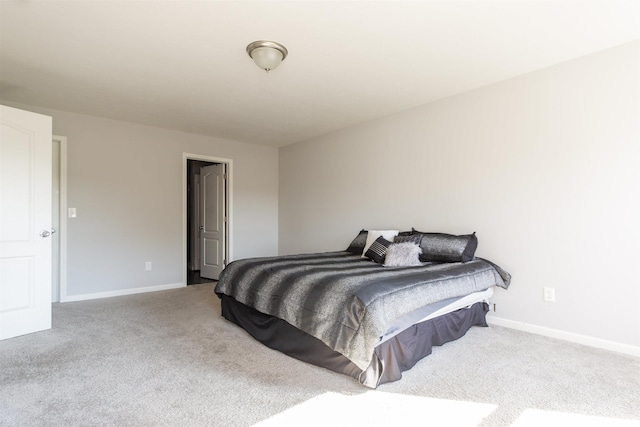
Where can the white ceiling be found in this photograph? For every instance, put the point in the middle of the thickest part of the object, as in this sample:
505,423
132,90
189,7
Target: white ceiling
182,64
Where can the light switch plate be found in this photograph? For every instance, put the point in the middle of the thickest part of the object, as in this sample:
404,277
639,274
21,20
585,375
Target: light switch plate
72,213
549,294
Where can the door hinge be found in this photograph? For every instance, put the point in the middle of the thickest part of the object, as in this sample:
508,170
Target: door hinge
225,219
224,176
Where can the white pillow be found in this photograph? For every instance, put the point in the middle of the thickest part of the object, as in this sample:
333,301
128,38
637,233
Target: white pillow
402,255
372,235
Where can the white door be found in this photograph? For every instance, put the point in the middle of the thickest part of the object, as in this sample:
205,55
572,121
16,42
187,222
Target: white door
212,217
25,221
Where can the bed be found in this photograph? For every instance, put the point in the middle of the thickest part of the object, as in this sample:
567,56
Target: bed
358,311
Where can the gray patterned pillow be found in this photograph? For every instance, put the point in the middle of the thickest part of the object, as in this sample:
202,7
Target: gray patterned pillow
441,247
414,238
404,254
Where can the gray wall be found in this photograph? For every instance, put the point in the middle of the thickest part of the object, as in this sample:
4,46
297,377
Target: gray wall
125,180
544,167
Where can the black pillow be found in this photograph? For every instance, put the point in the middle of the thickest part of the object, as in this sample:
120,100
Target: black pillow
357,245
378,250
441,247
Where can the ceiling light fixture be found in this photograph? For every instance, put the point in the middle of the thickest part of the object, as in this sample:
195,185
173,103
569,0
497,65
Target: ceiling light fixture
267,55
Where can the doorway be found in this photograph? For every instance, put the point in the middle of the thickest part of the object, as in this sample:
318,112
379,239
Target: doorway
207,217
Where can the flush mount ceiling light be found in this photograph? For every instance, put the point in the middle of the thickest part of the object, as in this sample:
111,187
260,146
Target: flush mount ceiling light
267,55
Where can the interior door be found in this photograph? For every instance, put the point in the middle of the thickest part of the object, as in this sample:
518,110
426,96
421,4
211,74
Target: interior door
25,221
212,217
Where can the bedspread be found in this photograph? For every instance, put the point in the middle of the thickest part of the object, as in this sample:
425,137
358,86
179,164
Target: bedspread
348,301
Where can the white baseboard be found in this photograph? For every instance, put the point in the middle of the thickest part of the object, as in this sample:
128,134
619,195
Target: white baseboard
567,336
120,292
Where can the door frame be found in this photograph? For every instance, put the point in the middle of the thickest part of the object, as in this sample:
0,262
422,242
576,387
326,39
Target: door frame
62,232
228,241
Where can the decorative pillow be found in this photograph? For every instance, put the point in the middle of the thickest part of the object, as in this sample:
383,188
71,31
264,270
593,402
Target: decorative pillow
378,249
441,247
372,235
402,255
415,238
357,245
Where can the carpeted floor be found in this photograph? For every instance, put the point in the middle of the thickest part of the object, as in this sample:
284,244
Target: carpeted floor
169,359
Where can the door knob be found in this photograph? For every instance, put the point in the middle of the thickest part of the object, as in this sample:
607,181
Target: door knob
47,233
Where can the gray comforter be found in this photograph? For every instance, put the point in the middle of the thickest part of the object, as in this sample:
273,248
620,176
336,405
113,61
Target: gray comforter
347,301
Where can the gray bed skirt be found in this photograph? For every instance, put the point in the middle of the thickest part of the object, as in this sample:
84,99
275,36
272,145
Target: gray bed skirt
392,357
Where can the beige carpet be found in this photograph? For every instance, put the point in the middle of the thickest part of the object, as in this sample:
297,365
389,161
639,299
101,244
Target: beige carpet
169,359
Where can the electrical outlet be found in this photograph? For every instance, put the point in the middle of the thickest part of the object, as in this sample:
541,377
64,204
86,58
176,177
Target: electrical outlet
148,266
549,294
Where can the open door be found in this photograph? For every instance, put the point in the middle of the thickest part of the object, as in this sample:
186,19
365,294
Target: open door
25,222
213,220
